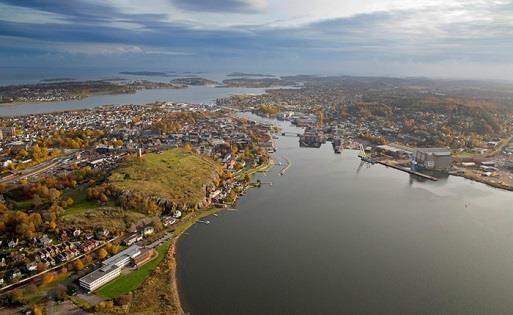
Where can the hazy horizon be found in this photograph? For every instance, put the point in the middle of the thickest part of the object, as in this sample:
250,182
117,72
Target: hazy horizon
429,38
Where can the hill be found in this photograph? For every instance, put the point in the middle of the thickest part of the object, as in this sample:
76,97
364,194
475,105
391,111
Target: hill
175,175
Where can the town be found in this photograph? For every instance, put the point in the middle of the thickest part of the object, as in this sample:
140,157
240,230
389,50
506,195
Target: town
397,119
93,200
80,186
68,90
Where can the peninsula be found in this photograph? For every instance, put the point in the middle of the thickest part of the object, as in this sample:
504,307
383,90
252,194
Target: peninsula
74,90
118,181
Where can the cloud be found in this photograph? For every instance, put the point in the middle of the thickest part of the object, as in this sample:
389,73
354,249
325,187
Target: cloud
238,6
13,13
271,33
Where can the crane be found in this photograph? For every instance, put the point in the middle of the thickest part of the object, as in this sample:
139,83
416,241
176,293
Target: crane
363,155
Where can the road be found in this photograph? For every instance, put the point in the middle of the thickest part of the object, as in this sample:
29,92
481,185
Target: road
37,169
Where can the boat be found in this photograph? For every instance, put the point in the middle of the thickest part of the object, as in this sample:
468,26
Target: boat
336,142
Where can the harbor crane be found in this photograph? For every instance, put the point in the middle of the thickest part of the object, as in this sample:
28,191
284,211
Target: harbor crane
363,155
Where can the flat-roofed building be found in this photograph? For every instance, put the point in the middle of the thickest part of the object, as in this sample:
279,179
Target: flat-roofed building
144,257
436,159
99,277
123,258
111,268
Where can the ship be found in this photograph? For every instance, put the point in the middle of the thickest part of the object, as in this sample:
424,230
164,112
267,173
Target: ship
336,142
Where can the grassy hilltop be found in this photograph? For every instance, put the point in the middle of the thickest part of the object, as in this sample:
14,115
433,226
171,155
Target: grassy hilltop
176,175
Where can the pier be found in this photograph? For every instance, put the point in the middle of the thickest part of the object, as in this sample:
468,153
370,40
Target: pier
407,170
290,134
289,164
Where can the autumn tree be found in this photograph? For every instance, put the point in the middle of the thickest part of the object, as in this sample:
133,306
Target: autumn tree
36,309
101,253
48,278
78,265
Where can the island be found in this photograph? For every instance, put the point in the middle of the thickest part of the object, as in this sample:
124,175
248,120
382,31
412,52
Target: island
194,81
57,79
244,74
257,83
74,90
145,73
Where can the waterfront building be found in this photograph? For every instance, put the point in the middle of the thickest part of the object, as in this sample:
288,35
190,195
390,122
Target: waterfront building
436,159
111,268
99,277
123,258
144,257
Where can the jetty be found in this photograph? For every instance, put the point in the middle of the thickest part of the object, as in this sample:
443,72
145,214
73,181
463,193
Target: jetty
407,170
289,164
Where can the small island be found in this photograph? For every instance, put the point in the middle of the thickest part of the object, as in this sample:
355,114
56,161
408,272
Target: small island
194,81
57,79
257,83
145,73
244,74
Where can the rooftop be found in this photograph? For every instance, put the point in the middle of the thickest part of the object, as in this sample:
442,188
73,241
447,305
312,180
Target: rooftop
98,273
131,252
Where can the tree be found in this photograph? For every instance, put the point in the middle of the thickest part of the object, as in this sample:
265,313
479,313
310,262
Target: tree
48,278
123,300
112,249
101,253
87,258
69,201
103,198
41,267
37,201
52,225
187,147
36,309
78,265
54,195
60,294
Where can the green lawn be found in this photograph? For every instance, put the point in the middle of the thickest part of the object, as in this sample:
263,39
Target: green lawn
81,207
80,202
134,279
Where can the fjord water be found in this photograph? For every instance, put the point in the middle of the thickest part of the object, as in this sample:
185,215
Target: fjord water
328,238
192,94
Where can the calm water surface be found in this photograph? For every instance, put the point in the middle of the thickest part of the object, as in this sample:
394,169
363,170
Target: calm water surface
193,94
330,238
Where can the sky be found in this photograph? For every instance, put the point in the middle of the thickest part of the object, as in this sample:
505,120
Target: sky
438,38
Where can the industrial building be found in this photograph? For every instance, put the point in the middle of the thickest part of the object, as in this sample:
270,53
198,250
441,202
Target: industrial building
436,159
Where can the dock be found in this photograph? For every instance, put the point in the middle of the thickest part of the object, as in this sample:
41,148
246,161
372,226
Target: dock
407,170
282,172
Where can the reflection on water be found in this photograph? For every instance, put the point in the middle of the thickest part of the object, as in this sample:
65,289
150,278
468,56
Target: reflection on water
328,239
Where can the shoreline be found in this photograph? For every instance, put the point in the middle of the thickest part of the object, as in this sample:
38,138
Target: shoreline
175,287
483,180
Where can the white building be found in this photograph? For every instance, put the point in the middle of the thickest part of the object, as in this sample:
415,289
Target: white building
123,258
111,268
99,277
